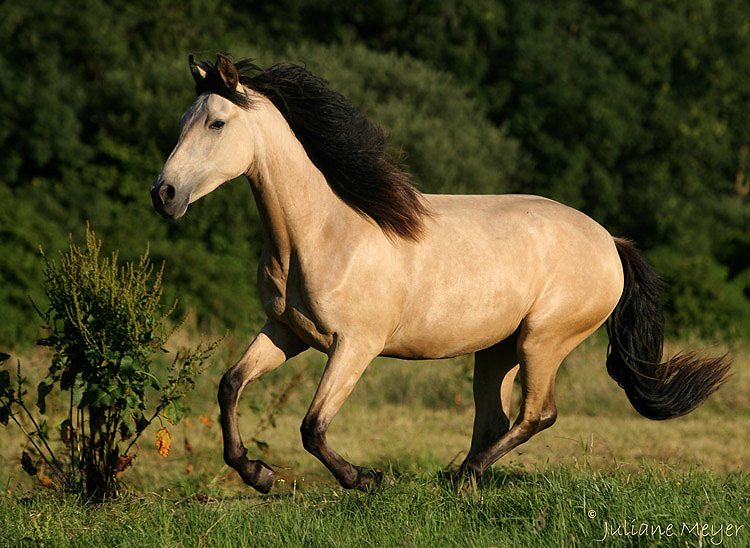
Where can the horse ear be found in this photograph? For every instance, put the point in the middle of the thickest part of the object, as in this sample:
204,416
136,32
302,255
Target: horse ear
198,73
228,73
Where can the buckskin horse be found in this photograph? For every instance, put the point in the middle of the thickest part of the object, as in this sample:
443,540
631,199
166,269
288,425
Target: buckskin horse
357,263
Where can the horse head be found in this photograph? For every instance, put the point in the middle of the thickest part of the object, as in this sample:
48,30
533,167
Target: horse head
215,143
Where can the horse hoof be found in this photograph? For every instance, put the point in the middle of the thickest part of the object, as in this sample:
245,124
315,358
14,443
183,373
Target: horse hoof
265,478
369,479
257,474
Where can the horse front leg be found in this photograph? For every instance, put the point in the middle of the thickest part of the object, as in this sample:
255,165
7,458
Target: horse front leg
272,347
344,368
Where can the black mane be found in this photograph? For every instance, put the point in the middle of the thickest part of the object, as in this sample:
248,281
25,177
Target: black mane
350,151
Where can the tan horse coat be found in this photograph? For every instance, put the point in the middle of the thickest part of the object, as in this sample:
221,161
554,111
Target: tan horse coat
521,280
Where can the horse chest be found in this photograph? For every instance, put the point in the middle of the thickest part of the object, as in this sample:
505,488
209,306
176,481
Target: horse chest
272,288
283,301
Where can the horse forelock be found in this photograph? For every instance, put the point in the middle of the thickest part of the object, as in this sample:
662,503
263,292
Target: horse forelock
214,83
350,151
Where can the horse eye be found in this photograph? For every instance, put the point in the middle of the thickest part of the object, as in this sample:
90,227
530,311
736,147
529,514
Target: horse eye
218,124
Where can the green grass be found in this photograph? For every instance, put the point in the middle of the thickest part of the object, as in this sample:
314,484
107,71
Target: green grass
413,419
552,507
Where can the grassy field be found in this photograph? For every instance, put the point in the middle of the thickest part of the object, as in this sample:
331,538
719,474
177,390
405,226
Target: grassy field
601,473
553,507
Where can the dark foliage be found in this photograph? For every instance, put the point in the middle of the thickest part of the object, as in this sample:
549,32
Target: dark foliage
637,113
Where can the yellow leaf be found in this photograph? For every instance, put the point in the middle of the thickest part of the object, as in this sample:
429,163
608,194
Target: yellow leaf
164,442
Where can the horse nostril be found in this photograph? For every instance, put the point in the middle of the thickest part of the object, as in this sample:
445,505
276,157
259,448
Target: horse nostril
166,192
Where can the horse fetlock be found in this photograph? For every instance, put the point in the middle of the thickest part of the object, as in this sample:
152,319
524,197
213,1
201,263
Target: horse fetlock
235,456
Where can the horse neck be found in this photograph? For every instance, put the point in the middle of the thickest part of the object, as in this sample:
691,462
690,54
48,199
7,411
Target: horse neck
293,198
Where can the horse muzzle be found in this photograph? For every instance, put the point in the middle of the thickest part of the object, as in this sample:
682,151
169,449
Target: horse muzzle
167,201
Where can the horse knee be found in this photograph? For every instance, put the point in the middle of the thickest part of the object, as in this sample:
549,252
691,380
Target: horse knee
229,386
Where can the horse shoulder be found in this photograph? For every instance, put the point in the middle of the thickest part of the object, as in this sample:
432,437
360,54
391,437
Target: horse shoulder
348,286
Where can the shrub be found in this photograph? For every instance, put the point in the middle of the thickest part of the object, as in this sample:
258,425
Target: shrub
702,300
104,324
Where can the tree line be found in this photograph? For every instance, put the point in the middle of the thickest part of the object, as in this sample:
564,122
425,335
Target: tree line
637,113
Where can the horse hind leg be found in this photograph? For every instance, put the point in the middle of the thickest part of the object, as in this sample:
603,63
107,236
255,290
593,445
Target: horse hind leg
539,359
495,369
549,409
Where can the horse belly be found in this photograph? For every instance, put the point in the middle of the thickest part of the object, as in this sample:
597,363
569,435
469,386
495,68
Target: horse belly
424,348
458,321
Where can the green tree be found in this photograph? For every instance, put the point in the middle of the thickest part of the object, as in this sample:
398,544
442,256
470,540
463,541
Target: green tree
635,112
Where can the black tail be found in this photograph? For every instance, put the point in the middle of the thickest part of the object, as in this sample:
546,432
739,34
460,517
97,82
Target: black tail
658,390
